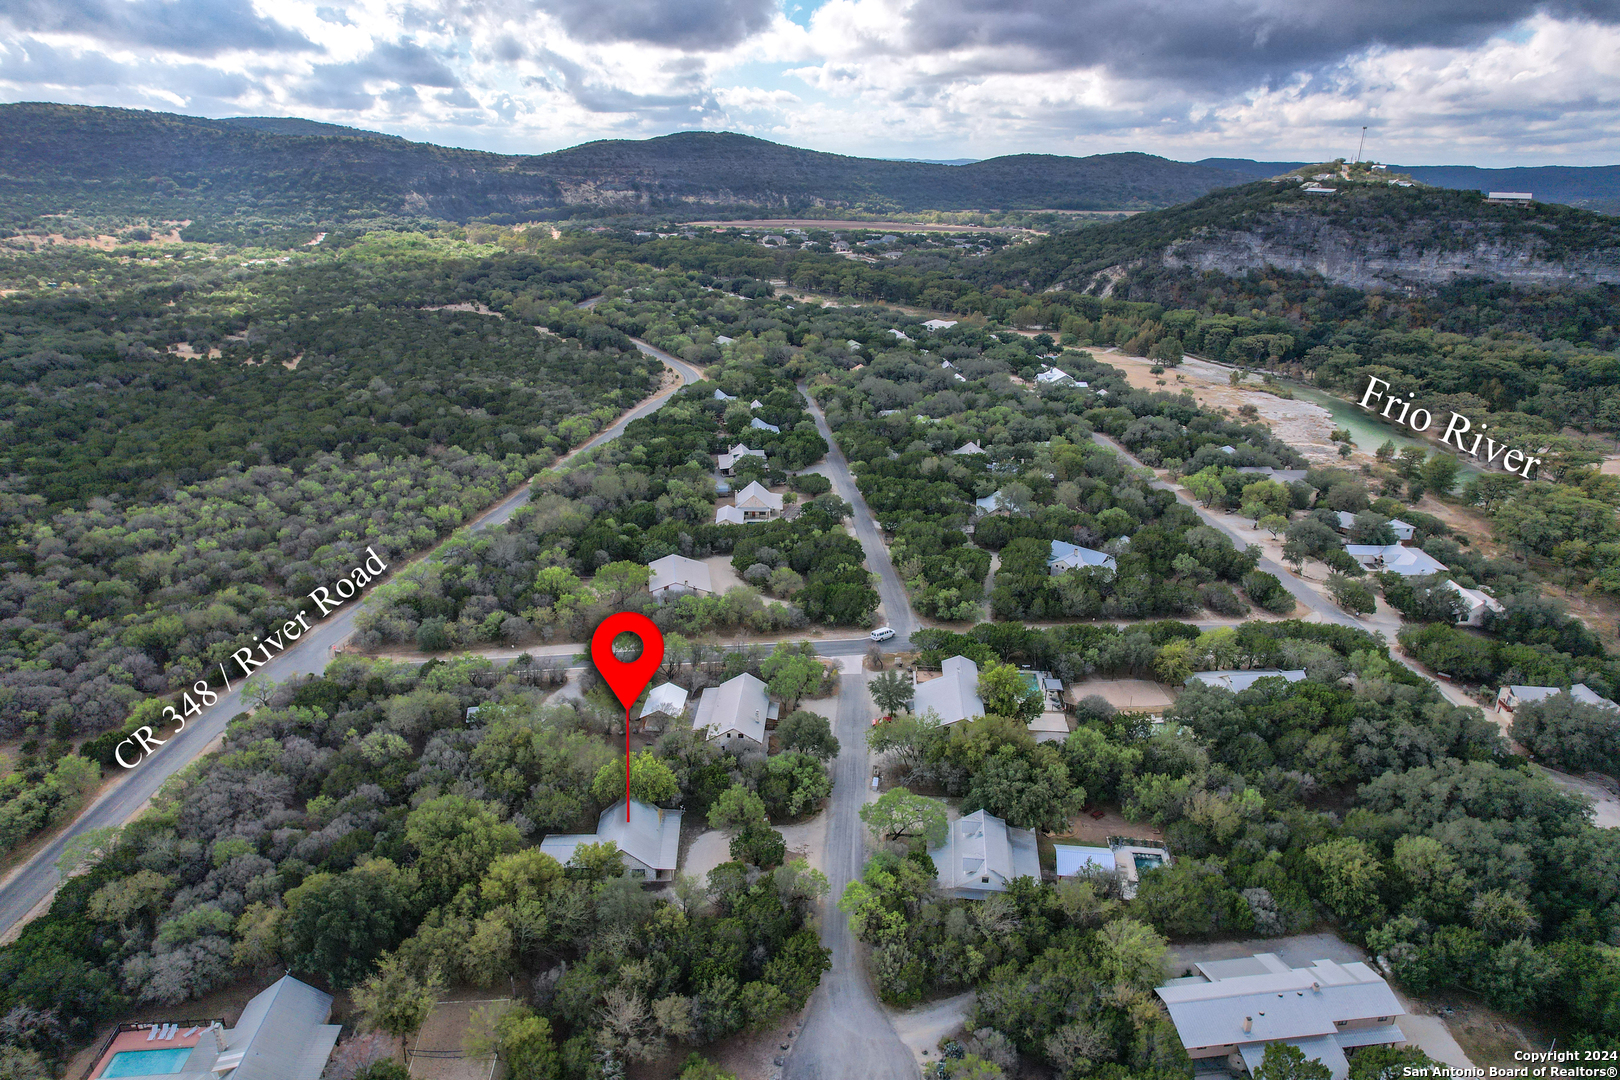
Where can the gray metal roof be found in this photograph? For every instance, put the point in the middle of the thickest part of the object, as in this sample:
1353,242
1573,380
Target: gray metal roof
982,854
1237,681
281,1035
1072,859
954,696
652,836
739,706
1323,1048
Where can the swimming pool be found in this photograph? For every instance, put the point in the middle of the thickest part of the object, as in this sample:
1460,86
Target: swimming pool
1146,862
147,1062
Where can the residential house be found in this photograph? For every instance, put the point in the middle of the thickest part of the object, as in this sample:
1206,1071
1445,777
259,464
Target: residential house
939,324
1234,1009
1510,198
1052,376
954,696
665,702
1509,698
1404,533
993,504
1282,476
1238,681
1229,450
721,395
1065,557
756,404
898,334
967,448
852,345
729,459
1478,604
674,575
759,425
1405,561
733,715
1317,189
757,502
722,339
1053,723
981,856
282,1034
650,840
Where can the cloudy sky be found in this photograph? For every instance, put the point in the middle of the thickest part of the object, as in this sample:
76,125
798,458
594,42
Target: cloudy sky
1487,82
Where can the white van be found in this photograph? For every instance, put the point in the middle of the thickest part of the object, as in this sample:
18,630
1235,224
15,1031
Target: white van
882,633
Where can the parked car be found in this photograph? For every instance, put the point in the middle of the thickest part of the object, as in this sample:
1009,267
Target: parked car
882,633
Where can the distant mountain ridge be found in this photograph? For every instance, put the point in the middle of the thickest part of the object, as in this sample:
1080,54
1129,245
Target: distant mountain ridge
66,153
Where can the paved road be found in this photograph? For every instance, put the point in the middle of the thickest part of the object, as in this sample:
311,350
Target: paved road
31,884
891,590
846,1032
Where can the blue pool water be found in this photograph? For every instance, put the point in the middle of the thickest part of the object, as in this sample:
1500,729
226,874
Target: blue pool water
147,1062
1143,862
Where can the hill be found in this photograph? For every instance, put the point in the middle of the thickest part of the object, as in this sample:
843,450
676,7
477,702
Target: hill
1369,235
1591,187
58,156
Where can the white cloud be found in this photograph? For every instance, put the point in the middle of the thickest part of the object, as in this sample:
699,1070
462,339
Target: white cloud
1458,81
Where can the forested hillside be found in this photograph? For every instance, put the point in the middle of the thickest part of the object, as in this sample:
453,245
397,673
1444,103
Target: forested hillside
57,157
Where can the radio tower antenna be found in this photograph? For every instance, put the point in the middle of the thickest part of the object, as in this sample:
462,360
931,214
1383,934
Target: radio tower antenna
1363,144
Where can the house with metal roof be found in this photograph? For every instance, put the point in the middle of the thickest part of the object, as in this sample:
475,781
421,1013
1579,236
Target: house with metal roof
1405,532
1282,476
1066,557
1052,376
1405,561
967,448
939,324
756,502
730,459
759,425
1509,698
721,395
1232,1010
1238,681
733,715
993,503
282,1034
674,575
1476,604
649,838
954,696
665,702
981,855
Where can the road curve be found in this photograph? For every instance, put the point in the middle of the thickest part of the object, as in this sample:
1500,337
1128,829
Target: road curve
846,1032
31,884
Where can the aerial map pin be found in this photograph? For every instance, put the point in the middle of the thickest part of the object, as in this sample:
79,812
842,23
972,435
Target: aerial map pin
627,679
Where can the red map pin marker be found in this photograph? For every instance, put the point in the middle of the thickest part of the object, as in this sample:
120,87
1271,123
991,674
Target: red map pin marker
627,679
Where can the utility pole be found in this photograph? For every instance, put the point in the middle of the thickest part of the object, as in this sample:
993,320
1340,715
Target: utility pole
1363,144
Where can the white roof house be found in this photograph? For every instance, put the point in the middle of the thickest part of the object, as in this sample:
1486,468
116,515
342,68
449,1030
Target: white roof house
721,395
729,515
756,404
759,425
981,855
729,459
650,841
939,324
1241,1006
1065,557
1509,698
992,503
967,448
1478,604
665,702
676,574
954,696
282,1034
899,335
734,713
1074,859
1404,531
1405,561
1053,375
1238,681
757,502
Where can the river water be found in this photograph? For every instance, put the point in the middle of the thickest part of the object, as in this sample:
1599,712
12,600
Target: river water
1368,431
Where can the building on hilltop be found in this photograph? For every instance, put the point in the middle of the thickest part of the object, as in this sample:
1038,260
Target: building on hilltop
981,855
1230,1011
650,841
